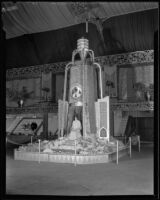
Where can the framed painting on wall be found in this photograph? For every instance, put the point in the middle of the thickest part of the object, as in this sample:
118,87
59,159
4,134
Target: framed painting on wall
29,90
24,125
110,81
136,82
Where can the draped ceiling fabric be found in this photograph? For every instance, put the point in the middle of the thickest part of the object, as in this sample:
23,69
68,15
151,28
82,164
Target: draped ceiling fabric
133,32
31,17
47,32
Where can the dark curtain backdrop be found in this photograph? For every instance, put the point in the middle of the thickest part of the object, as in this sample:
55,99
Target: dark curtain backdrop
127,33
132,32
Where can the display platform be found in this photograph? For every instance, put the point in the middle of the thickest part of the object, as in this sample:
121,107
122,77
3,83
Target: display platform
70,158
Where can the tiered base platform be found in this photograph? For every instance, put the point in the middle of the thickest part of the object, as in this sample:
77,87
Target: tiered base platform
70,158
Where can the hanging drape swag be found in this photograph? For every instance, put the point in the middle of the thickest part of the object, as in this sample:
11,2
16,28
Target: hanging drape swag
127,33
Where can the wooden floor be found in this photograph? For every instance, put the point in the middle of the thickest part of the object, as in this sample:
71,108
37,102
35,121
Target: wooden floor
132,176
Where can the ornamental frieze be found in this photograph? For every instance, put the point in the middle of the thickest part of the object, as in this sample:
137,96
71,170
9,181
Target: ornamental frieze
34,71
127,58
140,106
110,60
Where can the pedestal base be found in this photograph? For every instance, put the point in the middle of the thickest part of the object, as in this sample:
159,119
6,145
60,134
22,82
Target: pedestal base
70,158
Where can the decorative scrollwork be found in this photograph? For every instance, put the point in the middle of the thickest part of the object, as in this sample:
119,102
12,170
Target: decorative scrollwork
34,71
141,106
127,58
110,60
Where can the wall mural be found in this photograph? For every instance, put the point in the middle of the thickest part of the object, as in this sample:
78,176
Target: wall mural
143,82
110,81
27,90
136,82
46,86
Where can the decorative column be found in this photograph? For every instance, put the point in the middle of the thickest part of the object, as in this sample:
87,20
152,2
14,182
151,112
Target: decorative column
45,125
54,88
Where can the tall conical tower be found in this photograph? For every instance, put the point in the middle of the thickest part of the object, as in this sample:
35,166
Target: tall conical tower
85,88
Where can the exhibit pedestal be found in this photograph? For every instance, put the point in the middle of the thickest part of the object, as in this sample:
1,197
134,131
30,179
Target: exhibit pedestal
70,158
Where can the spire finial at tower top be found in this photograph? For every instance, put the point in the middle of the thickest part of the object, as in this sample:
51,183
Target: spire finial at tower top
82,43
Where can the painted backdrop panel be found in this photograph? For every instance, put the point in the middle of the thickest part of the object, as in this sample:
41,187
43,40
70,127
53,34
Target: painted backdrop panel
27,89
